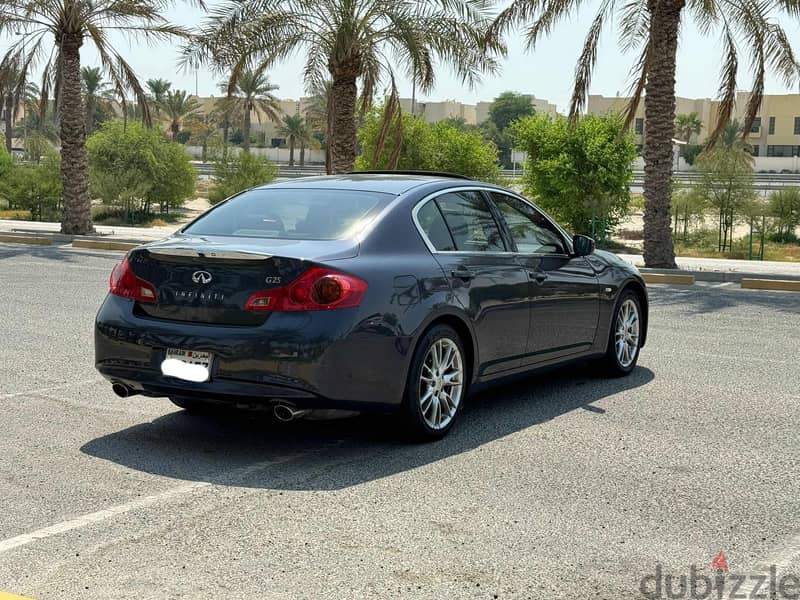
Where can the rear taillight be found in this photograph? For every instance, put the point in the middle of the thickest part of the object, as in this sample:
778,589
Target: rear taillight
317,289
124,283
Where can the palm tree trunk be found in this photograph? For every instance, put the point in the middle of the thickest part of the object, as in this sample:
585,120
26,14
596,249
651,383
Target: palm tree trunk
302,153
342,134
77,219
246,130
659,103
90,114
176,129
9,111
291,150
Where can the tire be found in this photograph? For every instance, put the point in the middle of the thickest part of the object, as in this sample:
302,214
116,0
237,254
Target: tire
436,386
622,352
192,406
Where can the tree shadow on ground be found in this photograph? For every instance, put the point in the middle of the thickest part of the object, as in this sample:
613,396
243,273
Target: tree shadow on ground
53,253
252,450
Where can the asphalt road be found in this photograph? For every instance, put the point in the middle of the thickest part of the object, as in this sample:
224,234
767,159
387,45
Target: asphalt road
562,485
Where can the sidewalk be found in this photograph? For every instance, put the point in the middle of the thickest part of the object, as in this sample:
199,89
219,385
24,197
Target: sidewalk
704,269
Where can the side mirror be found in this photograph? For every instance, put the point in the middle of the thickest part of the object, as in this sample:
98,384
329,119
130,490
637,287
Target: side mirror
582,245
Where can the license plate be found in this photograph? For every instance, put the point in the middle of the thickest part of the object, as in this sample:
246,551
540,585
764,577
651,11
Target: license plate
189,365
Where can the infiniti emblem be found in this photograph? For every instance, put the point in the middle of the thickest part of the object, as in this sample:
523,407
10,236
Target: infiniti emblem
201,276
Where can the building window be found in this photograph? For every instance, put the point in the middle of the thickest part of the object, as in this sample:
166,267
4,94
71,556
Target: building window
771,130
755,150
797,125
639,126
756,127
783,150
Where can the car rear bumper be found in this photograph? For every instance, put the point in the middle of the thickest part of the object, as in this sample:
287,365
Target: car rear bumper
312,360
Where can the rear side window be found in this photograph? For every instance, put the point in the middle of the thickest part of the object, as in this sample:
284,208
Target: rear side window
432,223
470,222
305,214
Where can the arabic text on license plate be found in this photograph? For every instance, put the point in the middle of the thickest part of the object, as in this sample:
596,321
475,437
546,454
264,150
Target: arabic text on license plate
187,364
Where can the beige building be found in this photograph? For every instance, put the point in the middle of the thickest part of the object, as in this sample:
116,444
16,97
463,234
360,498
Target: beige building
473,114
775,132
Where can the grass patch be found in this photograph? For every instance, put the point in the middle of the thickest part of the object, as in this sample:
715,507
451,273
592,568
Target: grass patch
703,244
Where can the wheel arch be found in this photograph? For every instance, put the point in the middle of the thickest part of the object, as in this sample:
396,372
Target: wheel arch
639,288
460,325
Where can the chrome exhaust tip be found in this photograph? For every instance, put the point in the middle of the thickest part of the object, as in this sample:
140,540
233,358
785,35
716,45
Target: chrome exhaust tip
122,390
286,413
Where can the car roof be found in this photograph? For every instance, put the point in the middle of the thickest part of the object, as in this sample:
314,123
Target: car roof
389,183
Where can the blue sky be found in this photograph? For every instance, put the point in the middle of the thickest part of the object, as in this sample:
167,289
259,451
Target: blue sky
547,72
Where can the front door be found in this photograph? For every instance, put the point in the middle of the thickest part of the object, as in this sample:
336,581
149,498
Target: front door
563,290
485,278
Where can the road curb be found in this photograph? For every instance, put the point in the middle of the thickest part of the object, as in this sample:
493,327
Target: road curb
104,245
719,276
674,278
24,239
784,285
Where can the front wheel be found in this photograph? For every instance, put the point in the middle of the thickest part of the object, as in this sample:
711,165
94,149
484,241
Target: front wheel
437,384
623,344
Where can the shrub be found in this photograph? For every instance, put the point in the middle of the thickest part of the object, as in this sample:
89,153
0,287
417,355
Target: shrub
428,147
236,173
35,189
133,168
579,174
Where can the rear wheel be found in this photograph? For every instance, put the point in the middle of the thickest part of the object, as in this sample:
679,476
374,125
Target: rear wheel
437,384
623,343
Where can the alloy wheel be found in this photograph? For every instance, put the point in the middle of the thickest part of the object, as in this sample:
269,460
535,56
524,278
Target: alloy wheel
627,333
441,383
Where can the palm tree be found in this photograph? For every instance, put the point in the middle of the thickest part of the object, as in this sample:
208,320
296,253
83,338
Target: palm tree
94,89
687,125
12,86
352,42
158,90
651,27
318,116
294,128
178,106
251,92
53,31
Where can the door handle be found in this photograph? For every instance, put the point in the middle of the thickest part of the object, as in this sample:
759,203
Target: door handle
537,276
462,273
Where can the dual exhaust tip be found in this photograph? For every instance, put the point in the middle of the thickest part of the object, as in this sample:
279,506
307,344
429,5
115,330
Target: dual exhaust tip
282,412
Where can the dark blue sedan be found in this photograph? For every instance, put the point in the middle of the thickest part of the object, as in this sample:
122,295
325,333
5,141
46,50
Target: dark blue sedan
371,291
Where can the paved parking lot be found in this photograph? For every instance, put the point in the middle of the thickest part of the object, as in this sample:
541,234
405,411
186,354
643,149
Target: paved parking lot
561,485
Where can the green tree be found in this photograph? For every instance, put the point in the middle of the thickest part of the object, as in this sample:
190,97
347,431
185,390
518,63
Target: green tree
133,168
96,92
426,147
508,107
350,42
296,132
250,92
688,209
158,89
726,180
178,106
54,31
784,207
578,173
235,174
687,125
651,28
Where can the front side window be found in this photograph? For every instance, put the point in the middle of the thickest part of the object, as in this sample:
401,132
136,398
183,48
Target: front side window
531,231
304,214
470,222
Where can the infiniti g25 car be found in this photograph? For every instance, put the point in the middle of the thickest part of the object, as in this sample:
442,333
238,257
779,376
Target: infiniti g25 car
368,292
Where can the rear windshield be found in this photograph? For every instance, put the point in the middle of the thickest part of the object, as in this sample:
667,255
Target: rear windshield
306,214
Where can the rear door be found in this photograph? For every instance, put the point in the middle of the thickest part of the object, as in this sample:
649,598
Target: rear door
487,281
563,290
